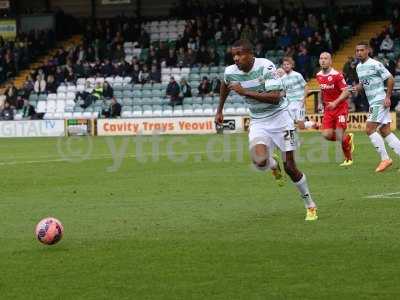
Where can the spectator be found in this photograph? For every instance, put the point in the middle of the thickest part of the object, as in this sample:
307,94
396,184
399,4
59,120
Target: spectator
215,85
387,44
28,86
173,92
60,75
349,71
108,91
203,57
214,57
28,111
114,111
119,53
7,113
171,60
144,75
303,62
259,51
135,73
51,86
98,91
182,58
185,89
204,87
11,95
228,57
191,57
155,74
397,68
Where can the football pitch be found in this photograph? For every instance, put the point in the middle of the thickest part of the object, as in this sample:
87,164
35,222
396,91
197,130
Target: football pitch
188,218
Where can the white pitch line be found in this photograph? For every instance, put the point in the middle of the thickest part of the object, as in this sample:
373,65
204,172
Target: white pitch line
383,196
108,156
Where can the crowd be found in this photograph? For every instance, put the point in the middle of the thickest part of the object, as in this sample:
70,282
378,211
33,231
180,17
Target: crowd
385,47
292,31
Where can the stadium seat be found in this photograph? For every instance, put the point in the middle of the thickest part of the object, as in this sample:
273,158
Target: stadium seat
33,97
197,100
177,111
187,110
158,93
127,94
208,110
62,89
147,93
157,110
136,111
147,110
137,94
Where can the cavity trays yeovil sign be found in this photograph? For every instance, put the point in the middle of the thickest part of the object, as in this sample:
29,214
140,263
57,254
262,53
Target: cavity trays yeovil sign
155,126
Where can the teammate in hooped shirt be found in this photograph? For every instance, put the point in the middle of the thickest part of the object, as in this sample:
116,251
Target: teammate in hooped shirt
334,95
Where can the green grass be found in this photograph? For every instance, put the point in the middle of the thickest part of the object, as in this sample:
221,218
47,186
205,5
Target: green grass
196,229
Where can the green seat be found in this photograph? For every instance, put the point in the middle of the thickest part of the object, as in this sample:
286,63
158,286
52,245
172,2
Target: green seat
33,97
137,94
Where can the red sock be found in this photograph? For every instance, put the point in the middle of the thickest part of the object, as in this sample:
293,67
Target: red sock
346,147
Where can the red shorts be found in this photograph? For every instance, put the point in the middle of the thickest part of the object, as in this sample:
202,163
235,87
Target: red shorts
335,119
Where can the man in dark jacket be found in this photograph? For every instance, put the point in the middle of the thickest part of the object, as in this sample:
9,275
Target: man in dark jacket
114,111
7,113
173,91
28,111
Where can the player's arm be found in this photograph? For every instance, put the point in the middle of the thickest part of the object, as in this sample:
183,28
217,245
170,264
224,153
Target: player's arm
344,95
272,97
223,94
390,85
320,103
386,76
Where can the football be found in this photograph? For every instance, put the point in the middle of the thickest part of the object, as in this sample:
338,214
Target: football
49,231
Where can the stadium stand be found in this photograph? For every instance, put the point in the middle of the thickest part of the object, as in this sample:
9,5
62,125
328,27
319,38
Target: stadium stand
138,63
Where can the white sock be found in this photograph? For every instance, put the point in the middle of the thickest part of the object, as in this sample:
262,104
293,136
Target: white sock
379,144
309,124
302,186
393,143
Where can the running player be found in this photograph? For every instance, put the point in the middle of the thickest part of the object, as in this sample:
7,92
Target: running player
334,95
296,93
271,125
372,75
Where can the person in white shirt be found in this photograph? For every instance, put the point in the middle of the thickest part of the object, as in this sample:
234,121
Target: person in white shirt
387,44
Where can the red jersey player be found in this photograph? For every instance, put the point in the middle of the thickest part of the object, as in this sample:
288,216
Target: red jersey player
334,94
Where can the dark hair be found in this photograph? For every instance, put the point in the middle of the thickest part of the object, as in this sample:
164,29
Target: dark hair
245,44
363,43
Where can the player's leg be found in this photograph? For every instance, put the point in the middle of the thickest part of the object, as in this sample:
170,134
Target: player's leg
347,139
388,135
373,123
328,127
300,181
261,151
286,142
379,144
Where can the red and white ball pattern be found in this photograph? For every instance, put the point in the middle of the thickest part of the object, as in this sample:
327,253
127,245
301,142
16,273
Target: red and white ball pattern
49,231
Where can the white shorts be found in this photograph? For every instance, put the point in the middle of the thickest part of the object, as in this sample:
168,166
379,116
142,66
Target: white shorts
275,132
379,114
297,111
